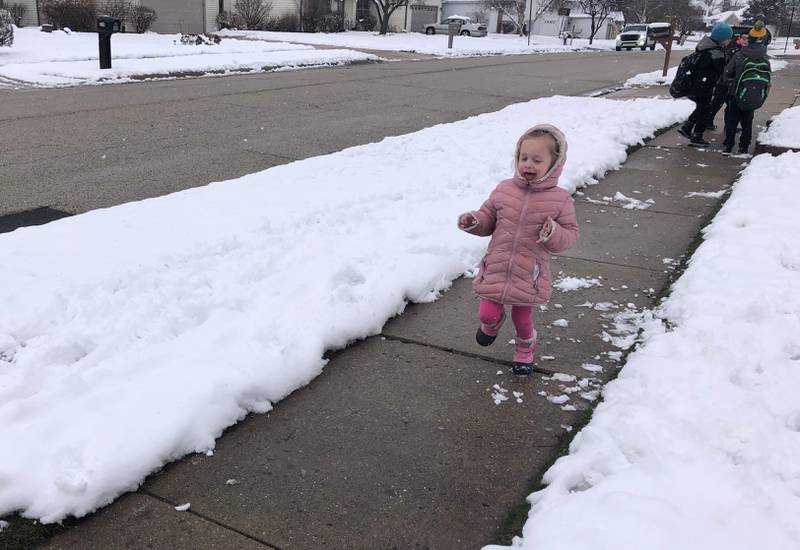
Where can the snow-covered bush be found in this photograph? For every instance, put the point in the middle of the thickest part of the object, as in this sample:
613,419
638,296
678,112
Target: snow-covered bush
6,28
189,39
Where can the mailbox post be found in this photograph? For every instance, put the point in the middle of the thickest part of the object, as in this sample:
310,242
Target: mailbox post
452,30
662,34
106,26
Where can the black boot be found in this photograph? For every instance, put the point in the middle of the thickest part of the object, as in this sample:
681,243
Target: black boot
484,339
686,130
698,141
727,149
522,369
743,149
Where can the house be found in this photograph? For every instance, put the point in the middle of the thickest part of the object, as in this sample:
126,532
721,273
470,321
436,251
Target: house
577,23
31,16
732,18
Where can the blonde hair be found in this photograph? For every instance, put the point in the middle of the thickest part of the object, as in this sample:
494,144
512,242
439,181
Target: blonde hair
553,145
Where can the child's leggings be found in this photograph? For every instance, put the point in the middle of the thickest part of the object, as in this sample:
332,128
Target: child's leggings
489,313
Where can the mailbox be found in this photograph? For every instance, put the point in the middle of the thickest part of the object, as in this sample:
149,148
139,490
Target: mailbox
660,31
108,25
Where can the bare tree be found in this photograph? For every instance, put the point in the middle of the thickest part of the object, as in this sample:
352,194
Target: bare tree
143,17
639,11
685,15
385,10
254,13
710,6
517,10
598,11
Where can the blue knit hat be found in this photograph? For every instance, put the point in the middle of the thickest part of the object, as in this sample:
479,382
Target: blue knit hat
720,32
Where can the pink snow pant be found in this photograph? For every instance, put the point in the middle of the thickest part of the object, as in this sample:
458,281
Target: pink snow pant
490,313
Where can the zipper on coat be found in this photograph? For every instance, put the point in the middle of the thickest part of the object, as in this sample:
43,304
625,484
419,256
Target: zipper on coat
528,192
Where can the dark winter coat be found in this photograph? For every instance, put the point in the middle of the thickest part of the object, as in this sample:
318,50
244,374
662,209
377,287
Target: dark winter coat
735,67
709,69
722,89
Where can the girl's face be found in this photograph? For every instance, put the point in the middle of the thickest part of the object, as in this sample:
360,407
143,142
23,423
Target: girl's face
535,158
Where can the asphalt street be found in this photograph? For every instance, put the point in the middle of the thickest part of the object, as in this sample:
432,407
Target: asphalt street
77,149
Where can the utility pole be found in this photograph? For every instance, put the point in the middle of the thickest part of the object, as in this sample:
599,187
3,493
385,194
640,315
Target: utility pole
530,11
789,30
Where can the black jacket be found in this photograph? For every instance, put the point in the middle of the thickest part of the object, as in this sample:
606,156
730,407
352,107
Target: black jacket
709,68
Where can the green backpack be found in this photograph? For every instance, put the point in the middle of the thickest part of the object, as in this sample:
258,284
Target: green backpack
753,84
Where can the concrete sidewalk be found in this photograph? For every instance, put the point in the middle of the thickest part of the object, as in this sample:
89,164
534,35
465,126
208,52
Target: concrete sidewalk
400,442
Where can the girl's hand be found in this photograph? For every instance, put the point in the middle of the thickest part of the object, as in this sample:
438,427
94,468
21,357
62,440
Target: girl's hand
467,220
547,230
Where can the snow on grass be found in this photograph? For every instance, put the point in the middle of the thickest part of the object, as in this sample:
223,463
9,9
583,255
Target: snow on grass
783,130
61,59
492,44
133,335
695,445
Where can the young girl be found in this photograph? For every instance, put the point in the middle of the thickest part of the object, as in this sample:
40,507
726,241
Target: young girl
529,218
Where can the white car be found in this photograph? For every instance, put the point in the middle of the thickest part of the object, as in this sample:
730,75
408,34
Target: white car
468,26
635,36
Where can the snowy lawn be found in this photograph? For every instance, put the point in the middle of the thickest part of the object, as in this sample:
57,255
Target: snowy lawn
134,335
776,46
492,44
784,130
696,444
62,59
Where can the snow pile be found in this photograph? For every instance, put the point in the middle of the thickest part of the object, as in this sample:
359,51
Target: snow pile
784,130
653,78
134,335
696,443
61,59
566,284
492,44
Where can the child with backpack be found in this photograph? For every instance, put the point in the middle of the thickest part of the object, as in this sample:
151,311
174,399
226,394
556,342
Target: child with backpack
697,76
529,217
749,74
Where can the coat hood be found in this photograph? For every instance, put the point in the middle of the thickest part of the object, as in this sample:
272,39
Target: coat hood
706,44
550,178
754,51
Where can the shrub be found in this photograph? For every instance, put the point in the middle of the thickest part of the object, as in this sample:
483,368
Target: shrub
288,22
118,9
253,13
17,12
367,23
143,18
228,20
331,22
6,28
78,15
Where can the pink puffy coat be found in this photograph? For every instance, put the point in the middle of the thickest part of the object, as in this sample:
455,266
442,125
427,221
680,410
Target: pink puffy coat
516,269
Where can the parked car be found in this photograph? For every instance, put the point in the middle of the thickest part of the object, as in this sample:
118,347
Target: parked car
468,26
635,36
